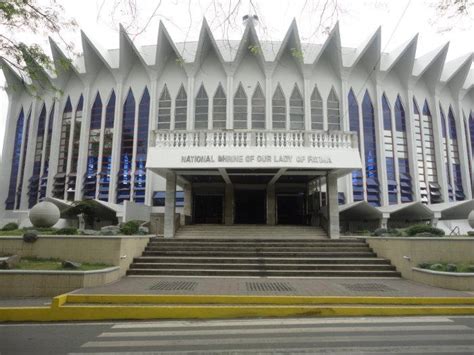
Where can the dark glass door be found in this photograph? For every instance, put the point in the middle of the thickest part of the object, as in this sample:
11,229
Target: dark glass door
250,206
291,209
208,208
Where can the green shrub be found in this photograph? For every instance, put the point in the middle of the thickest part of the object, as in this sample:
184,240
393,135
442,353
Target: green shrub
470,233
425,265
423,228
10,226
379,232
66,231
130,227
437,267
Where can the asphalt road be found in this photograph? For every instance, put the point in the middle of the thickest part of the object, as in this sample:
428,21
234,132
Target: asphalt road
413,335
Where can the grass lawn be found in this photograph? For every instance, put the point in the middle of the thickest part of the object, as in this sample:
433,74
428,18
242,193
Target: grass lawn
53,264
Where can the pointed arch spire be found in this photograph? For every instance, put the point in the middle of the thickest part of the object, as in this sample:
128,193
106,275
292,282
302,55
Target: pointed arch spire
64,66
429,67
205,44
291,42
249,45
164,49
401,60
332,49
456,71
129,54
94,58
368,53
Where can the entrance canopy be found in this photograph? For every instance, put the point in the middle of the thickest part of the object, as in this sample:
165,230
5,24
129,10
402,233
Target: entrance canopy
360,210
452,210
413,211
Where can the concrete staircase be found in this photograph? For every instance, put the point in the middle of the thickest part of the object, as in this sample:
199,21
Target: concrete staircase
262,256
250,231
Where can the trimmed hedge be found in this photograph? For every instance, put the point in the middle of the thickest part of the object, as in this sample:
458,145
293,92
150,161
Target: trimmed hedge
10,227
130,227
66,231
424,228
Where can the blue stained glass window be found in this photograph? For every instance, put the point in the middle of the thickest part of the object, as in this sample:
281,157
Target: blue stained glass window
10,201
452,124
126,150
47,151
34,179
471,131
400,120
60,178
74,154
142,148
90,180
403,166
457,178
23,162
106,167
368,120
357,178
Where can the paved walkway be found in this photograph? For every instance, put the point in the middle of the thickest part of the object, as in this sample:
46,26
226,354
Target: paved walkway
272,286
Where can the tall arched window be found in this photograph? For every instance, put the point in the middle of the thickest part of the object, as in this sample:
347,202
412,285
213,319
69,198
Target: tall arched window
34,180
429,159
164,109
180,109
201,115
126,150
10,201
240,108
296,109
74,157
354,126
106,164
334,115
471,135
317,120
60,177
47,151
444,128
90,180
142,148
457,178
219,108
389,155
258,108
370,151
23,161
279,109
406,192
419,141
468,145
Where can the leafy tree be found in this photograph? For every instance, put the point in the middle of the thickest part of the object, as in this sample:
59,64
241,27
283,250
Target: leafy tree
26,17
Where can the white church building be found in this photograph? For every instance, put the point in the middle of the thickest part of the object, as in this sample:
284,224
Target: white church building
246,132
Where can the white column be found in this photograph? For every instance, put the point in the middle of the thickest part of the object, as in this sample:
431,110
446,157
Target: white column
230,101
345,127
116,142
307,104
152,124
190,111
170,205
83,143
333,208
268,102
55,139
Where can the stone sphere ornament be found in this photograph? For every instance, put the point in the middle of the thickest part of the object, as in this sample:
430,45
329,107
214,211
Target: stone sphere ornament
44,215
470,219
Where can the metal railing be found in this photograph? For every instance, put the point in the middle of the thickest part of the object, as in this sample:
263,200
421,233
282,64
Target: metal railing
262,138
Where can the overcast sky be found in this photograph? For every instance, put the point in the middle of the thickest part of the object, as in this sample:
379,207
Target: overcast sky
400,21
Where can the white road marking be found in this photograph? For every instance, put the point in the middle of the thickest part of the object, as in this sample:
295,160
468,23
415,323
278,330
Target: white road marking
280,321
165,333
273,341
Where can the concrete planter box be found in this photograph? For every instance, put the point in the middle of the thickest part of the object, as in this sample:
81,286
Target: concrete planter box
39,283
109,250
462,281
406,253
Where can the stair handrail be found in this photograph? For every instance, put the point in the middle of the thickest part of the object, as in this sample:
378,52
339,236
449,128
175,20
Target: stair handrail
455,231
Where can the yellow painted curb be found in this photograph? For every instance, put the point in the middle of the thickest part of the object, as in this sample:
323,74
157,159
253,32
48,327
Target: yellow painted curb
121,307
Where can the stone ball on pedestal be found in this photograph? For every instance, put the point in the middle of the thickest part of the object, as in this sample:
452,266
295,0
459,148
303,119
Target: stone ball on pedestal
470,219
44,215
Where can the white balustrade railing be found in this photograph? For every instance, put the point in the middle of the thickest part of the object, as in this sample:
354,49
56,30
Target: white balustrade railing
278,139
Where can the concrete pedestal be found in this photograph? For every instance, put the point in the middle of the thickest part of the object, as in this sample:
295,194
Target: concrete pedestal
333,207
170,205
188,204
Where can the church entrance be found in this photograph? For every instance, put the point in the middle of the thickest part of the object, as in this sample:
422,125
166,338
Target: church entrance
250,206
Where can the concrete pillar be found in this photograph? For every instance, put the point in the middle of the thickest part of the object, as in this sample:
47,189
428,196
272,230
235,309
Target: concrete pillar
271,205
188,204
170,205
383,223
333,208
229,204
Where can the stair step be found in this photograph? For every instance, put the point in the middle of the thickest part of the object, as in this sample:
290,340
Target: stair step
262,266
256,260
265,249
331,254
266,273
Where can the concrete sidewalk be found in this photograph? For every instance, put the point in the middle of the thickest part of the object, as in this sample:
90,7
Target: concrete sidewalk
393,287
